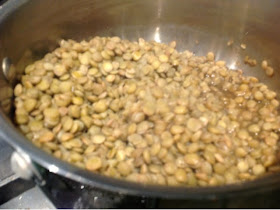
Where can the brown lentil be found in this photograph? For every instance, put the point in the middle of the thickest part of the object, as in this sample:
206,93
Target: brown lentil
145,112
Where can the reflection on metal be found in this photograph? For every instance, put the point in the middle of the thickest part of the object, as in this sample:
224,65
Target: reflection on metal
53,168
157,35
22,166
8,69
232,65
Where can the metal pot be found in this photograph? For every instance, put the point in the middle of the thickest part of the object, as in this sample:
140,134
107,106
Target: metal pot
31,28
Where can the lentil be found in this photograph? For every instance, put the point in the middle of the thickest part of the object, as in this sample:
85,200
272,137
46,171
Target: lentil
98,139
181,176
93,163
145,112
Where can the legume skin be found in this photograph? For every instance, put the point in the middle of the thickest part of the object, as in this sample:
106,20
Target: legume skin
144,112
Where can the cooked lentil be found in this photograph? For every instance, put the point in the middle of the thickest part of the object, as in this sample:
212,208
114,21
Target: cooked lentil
250,61
144,112
243,46
268,69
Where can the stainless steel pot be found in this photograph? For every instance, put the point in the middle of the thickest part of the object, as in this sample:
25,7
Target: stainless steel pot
30,28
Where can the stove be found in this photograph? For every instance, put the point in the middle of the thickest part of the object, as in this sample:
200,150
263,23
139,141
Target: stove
17,193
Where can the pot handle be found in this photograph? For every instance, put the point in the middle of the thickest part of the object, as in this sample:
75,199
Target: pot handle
22,166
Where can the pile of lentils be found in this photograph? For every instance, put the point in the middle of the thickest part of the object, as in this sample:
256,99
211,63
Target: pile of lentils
144,112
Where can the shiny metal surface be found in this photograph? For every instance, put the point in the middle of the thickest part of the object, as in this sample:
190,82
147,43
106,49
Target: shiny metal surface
31,28
21,166
8,69
31,199
6,173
